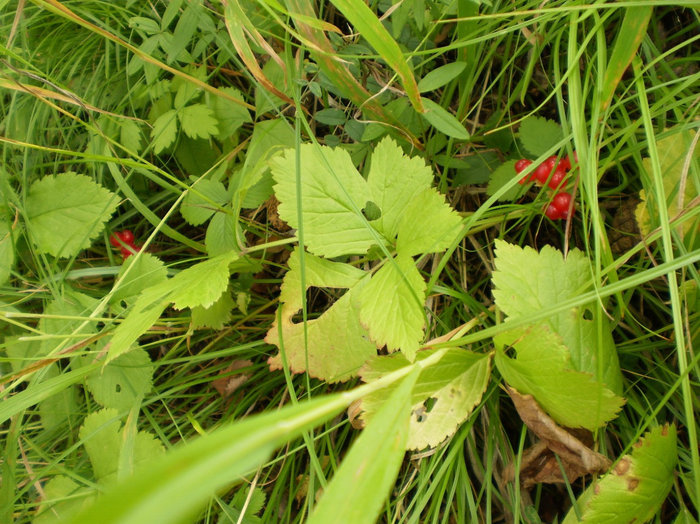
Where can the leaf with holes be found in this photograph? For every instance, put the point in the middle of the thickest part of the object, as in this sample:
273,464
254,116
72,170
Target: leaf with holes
444,395
66,212
123,381
526,281
330,357
145,270
637,485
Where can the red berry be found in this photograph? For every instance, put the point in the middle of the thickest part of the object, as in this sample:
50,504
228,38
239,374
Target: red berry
544,169
522,164
566,162
557,177
130,250
562,201
127,236
552,212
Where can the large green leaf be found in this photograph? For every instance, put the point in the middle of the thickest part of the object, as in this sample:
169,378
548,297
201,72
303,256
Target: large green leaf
363,482
526,281
66,212
332,195
637,485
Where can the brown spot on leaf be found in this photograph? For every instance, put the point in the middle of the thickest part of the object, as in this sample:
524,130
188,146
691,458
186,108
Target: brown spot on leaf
622,467
539,463
632,483
355,414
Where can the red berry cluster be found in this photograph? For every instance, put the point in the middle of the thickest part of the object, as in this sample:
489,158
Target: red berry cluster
552,173
124,240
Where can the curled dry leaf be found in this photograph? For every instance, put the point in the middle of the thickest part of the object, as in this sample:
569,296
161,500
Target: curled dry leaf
228,382
539,463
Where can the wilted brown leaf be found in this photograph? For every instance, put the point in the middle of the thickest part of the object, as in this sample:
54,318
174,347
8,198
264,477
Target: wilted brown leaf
230,381
539,463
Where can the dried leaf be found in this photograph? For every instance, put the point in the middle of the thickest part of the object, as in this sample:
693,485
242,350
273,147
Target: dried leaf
230,381
539,463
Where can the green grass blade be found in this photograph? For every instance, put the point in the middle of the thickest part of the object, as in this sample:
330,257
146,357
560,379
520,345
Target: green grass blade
374,460
629,38
368,25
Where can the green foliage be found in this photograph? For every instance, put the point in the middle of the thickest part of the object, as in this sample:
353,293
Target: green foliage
502,176
123,382
636,486
66,212
7,252
441,76
444,121
538,135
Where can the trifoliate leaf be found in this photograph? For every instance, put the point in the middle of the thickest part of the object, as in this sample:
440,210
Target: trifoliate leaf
526,281
331,357
164,131
637,485
504,174
216,315
429,225
196,209
61,498
444,121
145,270
538,134
392,306
673,151
7,251
198,121
66,212
394,181
230,115
444,395
122,381
332,196
203,283
102,436
543,369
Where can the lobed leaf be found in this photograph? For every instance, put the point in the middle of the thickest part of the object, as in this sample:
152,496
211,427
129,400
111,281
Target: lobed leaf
538,135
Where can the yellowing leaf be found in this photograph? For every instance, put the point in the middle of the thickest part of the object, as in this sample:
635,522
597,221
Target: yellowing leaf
332,195
637,485
66,212
337,343
392,306
444,395
428,225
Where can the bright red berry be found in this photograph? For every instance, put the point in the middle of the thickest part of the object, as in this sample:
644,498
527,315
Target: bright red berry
520,166
544,169
562,201
552,212
121,237
566,162
127,236
557,177
130,250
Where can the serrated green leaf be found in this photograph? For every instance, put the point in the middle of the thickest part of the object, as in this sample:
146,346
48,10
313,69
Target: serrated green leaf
124,380
441,76
102,436
526,281
198,121
195,209
66,212
220,237
673,151
184,30
164,131
331,357
60,499
394,180
230,116
196,156
69,304
231,513
454,386
429,225
637,485
543,369
146,271
504,174
392,306
444,121
332,195
216,315
59,410
130,135
203,283
7,251
538,134
377,455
